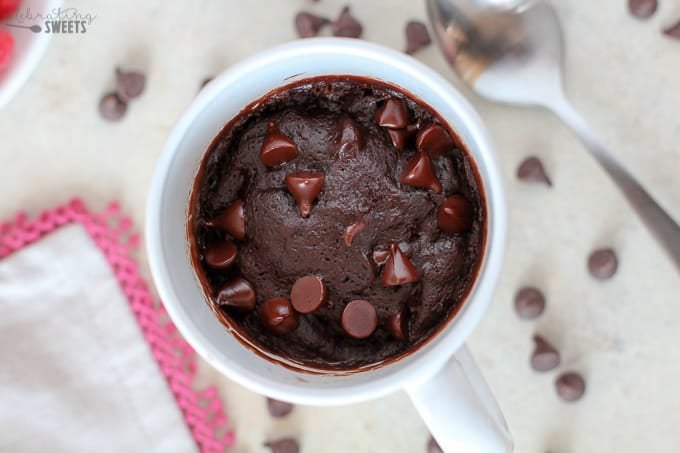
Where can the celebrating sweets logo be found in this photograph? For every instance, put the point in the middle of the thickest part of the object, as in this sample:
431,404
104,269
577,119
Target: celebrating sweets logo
56,21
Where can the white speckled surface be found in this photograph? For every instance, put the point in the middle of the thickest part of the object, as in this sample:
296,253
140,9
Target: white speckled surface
622,334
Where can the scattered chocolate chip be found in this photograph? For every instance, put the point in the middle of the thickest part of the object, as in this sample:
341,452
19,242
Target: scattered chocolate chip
673,31
419,172
434,140
277,149
354,230
603,264
237,293
380,256
642,9
308,294
433,446
397,324
570,386
278,315
531,169
286,445
529,303
392,114
221,254
305,186
455,215
231,220
112,107
205,81
359,319
308,25
278,409
417,36
545,357
346,25
130,84
350,137
398,269
400,137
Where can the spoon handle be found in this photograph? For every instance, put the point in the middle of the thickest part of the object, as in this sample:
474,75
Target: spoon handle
659,222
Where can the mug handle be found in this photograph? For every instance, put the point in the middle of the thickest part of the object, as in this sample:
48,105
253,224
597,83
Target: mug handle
460,410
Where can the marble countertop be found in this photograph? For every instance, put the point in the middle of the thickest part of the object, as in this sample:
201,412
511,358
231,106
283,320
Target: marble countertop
621,334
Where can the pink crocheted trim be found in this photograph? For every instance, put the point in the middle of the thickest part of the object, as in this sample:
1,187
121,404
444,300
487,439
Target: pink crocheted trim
203,410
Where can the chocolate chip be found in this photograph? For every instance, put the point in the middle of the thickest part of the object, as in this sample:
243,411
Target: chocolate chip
531,169
434,140
642,9
277,149
380,256
305,186
278,315
278,409
351,140
417,36
112,107
231,220
545,357
237,293
308,25
220,254
433,446
308,294
419,172
603,264
392,114
346,25
673,31
570,386
130,84
354,230
286,445
400,137
205,81
455,215
398,269
529,303
397,324
359,319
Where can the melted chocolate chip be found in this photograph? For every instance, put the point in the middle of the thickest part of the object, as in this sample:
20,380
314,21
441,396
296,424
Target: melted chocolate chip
392,114
308,25
603,264
545,357
359,319
277,149
231,220
112,107
350,137
642,9
305,186
434,140
400,137
531,170
278,316
130,84
220,254
419,172
529,303
354,230
455,215
237,293
417,36
346,25
380,256
570,386
398,269
287,445
397,324
278,409
308,294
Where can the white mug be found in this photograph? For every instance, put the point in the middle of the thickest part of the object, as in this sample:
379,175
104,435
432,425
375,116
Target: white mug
440,377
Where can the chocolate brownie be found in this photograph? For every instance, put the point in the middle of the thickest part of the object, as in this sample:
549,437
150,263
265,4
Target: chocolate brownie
337,223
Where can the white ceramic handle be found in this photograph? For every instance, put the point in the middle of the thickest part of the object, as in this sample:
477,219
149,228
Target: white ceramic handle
460,410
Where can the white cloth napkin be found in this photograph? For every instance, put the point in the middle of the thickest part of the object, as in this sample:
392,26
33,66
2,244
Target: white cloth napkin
76,374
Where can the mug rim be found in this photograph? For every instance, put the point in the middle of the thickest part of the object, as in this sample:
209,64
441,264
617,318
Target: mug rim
432,357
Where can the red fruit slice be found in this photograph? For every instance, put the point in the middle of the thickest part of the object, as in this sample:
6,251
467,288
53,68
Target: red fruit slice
6,48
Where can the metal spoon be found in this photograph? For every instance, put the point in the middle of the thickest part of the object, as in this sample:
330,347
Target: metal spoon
511,51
